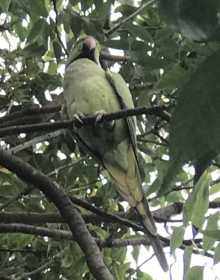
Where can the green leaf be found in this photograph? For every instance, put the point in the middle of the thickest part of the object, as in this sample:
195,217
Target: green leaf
52,69
148,61
119,270
174,197
34,50
211,225
196,19
117,44
39,33
217,254
215,234
195,130
195,273
136,253
75,24
20,30
102,9
38,8
126,9
198,201
215,189
187,260
192,135
165,182
4,4
138,31
86,4
177,238
173,78
143,276
57,50
119,254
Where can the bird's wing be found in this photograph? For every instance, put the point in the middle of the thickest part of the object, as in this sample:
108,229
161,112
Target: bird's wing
130,182
126,102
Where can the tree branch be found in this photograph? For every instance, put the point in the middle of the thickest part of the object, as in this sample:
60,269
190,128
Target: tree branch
56,28
36,230
16,197
55,194
42,267
109,243
22,120
88,120
35,140
32,110
26,251
99,217
114,58
106,216
125,20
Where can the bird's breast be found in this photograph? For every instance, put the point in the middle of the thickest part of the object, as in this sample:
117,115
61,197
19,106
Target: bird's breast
87,90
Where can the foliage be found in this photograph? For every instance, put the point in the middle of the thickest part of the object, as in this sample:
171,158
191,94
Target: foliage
162,68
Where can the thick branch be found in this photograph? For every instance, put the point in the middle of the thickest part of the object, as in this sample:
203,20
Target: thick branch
22,120
88,120
55,194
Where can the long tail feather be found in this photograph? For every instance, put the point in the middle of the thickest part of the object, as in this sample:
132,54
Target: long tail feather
129,186
151,234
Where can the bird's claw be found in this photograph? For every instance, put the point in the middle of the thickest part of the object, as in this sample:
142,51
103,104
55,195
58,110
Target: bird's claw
109,125
78,120
99,117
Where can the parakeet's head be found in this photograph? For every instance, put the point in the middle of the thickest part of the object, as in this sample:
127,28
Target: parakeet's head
85,47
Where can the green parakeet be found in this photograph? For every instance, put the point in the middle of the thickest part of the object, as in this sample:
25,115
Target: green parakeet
89,89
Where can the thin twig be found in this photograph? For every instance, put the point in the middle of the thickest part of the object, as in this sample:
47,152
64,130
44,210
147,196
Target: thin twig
36,140
125,20
32,110
115,58
56,28
17,197
68,165
143,263
142,140
8,250
41,268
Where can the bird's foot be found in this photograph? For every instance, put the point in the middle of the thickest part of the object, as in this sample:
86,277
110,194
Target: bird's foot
78,120
108,125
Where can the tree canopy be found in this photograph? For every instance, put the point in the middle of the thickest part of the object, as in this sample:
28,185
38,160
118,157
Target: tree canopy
60,216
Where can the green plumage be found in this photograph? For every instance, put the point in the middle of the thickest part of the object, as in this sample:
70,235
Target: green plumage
89,89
